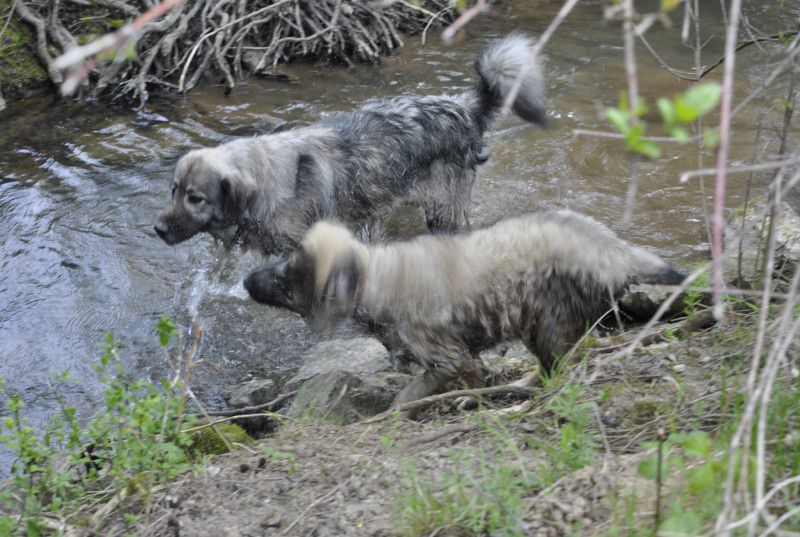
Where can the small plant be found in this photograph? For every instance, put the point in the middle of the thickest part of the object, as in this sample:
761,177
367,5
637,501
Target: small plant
694,297
627,122
137,440
573,446
483,495
676,114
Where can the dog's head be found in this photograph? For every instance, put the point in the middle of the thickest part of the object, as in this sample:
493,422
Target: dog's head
320,280
207,195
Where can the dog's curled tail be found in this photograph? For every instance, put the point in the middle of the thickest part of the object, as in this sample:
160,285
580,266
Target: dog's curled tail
507,66
649,268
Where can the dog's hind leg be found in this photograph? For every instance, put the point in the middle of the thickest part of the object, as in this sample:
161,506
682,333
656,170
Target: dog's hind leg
447,196
429,383
445,359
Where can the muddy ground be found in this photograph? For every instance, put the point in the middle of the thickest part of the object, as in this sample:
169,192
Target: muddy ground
320,479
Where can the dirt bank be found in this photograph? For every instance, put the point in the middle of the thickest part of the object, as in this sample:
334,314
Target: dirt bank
20,71
572,460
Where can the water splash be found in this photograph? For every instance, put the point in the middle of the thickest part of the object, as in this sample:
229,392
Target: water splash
220,276
207,281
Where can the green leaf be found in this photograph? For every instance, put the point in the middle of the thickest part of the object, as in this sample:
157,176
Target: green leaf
669,5
682,522
685,113
619,119
701,479
785,104
648,468
6,525
697,444
680,134
702,98
667,112
32,528
166,329
646,148
641,108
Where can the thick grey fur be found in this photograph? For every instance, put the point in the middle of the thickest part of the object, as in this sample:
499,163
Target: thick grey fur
268,190
542,278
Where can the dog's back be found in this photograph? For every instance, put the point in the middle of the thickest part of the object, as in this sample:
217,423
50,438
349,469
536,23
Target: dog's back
542,277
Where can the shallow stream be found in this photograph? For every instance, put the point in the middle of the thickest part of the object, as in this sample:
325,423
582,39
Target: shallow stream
82,184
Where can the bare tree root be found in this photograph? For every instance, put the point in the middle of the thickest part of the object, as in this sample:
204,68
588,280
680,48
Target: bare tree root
221,39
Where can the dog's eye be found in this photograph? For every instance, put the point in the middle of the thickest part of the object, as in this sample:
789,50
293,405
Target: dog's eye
194,199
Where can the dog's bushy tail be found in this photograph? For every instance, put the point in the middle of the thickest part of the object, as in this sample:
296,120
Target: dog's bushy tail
499,66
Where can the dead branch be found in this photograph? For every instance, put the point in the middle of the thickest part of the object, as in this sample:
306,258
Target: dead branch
272,405
172,45
718,220
505,389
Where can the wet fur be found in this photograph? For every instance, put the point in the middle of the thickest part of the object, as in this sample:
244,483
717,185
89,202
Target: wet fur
266,191
541,278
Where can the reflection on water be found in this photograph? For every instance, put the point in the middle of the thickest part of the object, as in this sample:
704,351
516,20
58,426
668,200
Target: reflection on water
82,185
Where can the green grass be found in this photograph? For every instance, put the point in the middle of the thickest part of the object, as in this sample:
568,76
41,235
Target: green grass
486,491
482,495
137,440
20,69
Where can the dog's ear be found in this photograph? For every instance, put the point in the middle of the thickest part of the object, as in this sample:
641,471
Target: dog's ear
338,297
233,198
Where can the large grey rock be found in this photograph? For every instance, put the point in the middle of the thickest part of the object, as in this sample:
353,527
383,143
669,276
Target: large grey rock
253,392
360,355
641,302
343,397
753,245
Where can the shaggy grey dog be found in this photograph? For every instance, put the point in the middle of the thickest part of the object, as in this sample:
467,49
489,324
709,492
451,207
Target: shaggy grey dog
542,278
266,191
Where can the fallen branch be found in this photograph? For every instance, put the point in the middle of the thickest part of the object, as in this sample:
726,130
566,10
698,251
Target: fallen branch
272,405
232,418
505,389
177,42
440,433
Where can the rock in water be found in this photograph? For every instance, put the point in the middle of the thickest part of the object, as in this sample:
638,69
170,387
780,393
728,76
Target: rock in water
253,392
344,397
753,246
361,355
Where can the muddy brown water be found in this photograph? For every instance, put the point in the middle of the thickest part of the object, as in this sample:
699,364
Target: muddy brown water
82,184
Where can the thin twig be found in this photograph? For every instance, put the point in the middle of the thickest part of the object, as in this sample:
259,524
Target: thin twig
439,433
272,405
761,166
205,36
468,14
619,136
537,48
504,389
232,418
718,220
